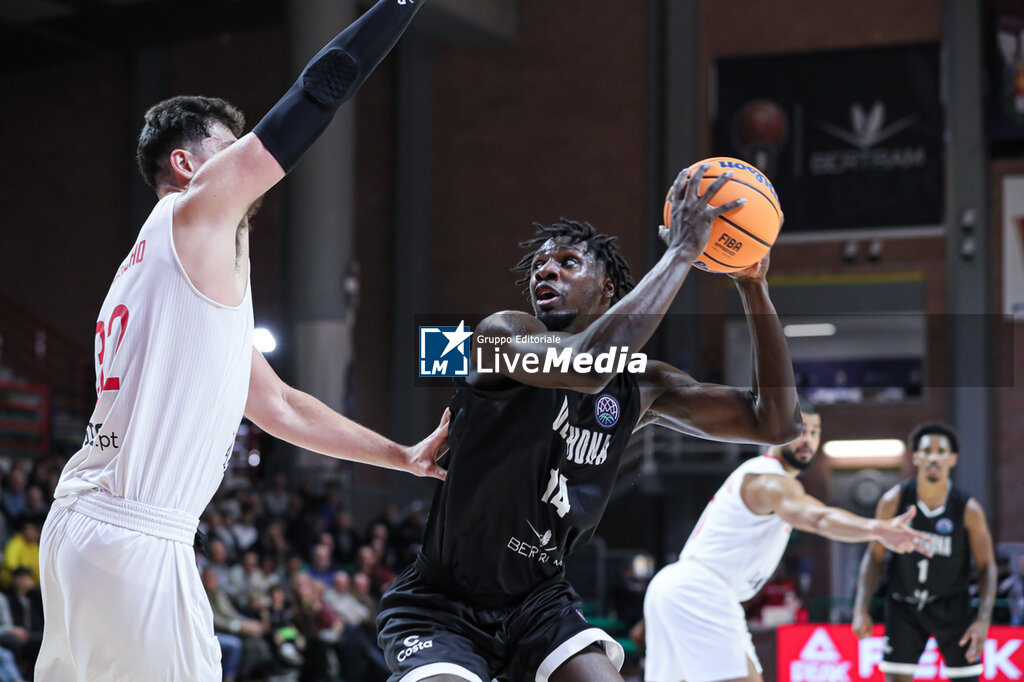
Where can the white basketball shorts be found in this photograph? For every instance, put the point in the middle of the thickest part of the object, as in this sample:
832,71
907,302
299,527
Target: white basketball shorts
695,628
120,604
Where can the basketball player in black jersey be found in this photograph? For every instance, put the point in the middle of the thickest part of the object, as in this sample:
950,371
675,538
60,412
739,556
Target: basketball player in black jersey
928,596
534,455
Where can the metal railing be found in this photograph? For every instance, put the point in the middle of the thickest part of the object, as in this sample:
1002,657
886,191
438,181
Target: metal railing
35,353
24,417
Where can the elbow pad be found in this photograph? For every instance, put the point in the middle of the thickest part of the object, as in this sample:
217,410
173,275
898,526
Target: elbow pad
331,78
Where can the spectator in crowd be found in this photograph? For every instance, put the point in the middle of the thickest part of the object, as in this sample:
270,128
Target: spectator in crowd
390,518
409,536
22,550
245,530
277,500
327,540
304,527
13,639
14,494
368,563
230,655
290,571
228,620
217,561
41,476
362,589
320,567
319,625
330,507
25,602
217,530
9,671
246,578
270,570
6,525
273,541
286,642
383,539
225,532
340,598
36,506
347,540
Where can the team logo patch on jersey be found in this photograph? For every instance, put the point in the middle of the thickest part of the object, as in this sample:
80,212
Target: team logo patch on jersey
444,351
606,411
543,538
944,526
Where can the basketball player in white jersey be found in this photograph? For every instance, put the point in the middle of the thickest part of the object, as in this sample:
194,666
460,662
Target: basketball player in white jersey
694,624
176,370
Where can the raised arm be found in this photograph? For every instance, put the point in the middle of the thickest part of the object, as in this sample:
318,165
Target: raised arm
981,547
767,412
871,568
786,497
628,324
299,418
224,188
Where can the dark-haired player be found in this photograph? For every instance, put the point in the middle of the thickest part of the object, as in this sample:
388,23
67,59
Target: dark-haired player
176,370
693,619
534,454
927,596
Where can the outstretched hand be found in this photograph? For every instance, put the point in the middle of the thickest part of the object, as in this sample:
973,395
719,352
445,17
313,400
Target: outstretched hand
422,457
862,624
974,640
692,214
897,535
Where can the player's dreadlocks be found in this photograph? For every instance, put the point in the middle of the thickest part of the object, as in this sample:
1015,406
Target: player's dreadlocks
572,232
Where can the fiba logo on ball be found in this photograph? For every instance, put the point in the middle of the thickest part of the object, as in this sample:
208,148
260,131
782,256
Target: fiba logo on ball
606,409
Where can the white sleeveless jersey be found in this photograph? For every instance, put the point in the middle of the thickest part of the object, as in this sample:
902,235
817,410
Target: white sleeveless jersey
172,377
742,547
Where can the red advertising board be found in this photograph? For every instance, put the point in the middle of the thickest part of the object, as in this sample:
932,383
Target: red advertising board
831,653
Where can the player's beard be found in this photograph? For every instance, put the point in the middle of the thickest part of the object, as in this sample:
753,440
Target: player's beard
791,459
557,320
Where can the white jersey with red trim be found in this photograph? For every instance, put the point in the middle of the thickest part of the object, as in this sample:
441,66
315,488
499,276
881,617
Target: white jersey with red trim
742,547
172,378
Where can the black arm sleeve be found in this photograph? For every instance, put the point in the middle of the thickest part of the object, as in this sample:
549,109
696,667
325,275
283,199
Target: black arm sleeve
331,78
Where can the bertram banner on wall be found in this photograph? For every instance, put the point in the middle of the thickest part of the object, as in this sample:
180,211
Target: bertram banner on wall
832,653
851,139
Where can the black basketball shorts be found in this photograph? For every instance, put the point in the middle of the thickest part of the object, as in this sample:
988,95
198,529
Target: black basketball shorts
907,629
425,630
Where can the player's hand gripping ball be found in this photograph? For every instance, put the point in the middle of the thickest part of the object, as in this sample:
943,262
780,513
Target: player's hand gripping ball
741,237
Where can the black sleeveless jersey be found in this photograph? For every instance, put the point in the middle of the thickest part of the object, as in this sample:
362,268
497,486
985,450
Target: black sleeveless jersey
917,578
530,472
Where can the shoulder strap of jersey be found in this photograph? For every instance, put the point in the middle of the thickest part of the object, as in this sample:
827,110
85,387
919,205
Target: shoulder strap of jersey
763,464
908,495
957,500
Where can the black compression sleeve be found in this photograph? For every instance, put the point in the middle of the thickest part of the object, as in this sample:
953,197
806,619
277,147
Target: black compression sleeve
331,78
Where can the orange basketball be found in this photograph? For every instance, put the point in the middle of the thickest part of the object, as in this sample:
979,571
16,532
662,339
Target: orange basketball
741,237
